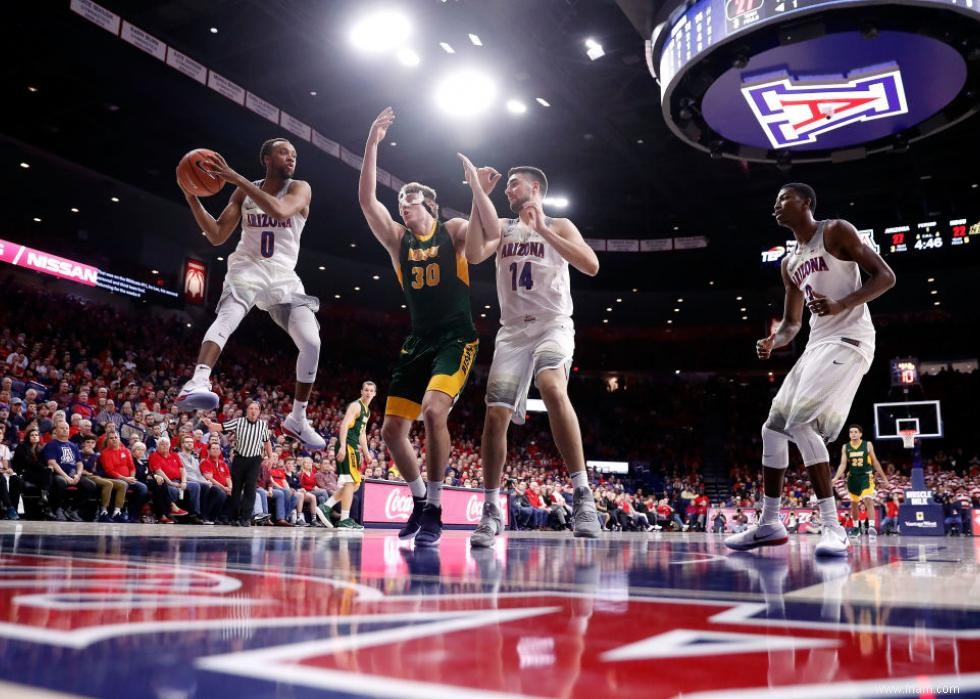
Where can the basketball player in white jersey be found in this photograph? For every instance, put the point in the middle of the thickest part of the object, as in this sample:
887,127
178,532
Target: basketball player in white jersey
824,273
261,272
536,339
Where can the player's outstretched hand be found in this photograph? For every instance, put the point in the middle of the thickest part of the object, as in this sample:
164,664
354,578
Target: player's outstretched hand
470,175
763,347
380,126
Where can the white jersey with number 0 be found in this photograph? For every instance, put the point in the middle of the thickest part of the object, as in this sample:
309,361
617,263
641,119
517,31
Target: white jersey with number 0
818,273
532,278
268,239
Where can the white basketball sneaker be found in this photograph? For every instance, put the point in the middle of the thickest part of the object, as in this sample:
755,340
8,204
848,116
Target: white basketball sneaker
197,396
756,537
833,542
303,431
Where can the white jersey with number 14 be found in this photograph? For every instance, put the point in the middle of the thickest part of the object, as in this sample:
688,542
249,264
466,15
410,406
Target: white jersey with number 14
532,278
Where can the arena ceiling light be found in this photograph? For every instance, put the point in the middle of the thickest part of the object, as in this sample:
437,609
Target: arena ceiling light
446,47
557,202
542,101
465,93
516,107
25,165
593,49
380,32
475,40
408,58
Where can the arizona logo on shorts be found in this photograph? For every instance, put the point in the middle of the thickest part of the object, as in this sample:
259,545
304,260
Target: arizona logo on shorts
795,112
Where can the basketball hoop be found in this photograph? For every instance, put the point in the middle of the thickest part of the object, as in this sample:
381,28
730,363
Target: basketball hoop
908,438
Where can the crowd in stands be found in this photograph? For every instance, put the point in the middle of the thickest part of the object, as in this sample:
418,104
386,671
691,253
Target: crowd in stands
88,427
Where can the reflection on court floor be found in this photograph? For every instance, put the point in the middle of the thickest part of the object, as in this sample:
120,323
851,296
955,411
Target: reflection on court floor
126,611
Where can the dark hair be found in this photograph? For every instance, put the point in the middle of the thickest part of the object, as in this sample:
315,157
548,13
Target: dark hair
857,427
533,173
267,149
805,191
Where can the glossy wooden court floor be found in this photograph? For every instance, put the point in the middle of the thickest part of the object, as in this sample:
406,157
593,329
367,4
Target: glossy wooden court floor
178,612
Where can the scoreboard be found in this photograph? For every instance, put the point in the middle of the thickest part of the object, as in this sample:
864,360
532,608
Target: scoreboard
917,239
930,235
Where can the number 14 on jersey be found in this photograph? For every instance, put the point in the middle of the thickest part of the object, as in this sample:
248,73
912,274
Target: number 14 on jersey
523,279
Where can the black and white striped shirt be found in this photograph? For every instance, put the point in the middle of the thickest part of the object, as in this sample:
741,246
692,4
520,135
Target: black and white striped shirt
249,436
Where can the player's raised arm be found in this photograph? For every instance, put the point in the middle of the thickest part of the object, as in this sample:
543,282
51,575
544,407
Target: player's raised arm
482,238
380,222
217,231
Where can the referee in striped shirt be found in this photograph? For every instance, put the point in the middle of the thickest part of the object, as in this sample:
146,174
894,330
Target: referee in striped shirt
252,439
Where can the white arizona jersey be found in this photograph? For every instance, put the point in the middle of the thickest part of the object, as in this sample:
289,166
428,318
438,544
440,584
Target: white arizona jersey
532,278
266,238
818,273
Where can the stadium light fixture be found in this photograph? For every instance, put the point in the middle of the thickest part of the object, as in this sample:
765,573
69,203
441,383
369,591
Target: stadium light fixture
557,202
465,93
380,32
408,58
593,49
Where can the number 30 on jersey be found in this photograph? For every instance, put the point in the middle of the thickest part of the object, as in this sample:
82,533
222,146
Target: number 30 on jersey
425,276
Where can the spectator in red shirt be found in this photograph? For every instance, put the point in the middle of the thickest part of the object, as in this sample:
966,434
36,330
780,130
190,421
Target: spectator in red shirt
889,525
117,464
701,504
293,503
216,471
167,481
81,406
280,496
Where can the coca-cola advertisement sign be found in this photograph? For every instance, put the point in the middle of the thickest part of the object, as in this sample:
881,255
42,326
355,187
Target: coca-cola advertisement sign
391,503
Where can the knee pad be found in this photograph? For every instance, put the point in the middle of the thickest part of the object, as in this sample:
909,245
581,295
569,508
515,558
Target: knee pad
811,445
305,331
775,448
230,315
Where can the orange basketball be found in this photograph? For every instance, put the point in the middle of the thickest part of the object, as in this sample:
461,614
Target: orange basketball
194,178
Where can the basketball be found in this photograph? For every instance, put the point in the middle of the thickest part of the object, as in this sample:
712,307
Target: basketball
194,178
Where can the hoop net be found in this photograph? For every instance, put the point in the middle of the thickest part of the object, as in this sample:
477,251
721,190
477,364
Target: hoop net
908,438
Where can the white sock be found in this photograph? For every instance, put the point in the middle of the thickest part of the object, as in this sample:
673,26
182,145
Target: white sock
115,511
492,495
828,512
344,514
433,494
417,487
580,479
202,373
299,410
331,501
770,510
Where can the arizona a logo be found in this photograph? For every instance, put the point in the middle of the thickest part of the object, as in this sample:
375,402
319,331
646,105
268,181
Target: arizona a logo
794,112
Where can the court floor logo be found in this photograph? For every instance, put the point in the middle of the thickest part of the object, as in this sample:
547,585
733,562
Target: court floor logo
797,111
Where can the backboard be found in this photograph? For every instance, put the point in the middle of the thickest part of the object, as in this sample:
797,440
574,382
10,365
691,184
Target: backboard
925,416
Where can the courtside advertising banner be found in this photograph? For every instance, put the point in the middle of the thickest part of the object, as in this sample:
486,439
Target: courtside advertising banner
391,504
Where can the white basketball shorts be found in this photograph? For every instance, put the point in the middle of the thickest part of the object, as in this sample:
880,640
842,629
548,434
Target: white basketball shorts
266,285
819,390
520,353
